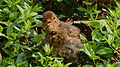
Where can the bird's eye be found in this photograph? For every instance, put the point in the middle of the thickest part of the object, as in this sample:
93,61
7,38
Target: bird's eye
53,18
53,33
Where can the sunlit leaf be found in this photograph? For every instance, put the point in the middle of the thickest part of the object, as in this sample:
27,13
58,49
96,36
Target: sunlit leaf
47,49
81,9
8,1
22,63
9,43
94,24
27,6
96,35
1,28
83,37
21,9
59,0
108,29
104,50
116,64
0,58
95,57
11,65
29,22
17,28
118,23
33,13
118,4
87,3
88,50
16,2
110,39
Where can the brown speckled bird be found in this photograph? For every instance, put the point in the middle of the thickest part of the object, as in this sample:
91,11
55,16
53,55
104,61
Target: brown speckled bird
63,36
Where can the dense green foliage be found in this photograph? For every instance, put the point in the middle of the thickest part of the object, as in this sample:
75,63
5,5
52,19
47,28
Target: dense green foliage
21,33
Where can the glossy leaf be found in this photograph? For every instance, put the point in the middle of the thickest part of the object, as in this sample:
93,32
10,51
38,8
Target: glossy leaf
9,31
1,28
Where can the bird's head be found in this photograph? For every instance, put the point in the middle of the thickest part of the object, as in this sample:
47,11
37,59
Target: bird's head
51,20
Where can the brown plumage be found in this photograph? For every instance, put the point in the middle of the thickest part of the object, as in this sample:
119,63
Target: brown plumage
63,36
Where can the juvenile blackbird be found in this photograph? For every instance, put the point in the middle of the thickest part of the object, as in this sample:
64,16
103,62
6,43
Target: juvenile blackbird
63,36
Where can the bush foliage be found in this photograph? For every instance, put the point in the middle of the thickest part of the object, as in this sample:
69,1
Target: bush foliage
22,32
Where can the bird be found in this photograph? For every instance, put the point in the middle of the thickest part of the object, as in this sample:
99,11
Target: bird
63,36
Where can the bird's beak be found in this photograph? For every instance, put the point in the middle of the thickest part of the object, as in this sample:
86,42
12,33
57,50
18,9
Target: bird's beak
49,20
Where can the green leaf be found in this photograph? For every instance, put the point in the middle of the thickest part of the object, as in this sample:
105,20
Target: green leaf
17,28
83,37
94,24
33,13
5,23
29,22
13,15
106,63
41,58
14,35
91,9
9,31
117,43
116,64
87,3
104,50
94,7
37,38
21,10
22,64
1,34
118,4
118,23
1,1
8,1
0,10
86,65
109,55
47,49
81,9
110,39
108,29
27,6
112,12
97,12
88,50
21,46
8,44
6,10
102,23
67,65
20,58
96,35
59,0
16,2
1,28
11,65
36,8
0,58
95,57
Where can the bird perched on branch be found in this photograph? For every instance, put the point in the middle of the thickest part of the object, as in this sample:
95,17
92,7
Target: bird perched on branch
63,36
